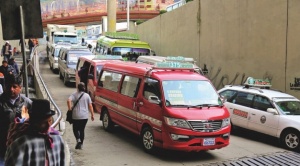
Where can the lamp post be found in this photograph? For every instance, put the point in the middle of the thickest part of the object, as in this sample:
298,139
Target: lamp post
78,6
127,15
52,6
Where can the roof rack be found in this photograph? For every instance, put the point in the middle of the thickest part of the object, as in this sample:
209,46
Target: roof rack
122,35
171,66
108,57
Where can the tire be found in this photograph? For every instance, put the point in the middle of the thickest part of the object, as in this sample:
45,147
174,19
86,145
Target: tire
290,139
51,66
65,81
107,124
60,75
147,139
233,128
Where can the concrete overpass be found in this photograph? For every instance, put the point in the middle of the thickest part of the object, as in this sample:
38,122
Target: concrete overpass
95,17
92,14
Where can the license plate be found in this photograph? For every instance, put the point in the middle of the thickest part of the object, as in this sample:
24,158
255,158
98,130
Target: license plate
208,141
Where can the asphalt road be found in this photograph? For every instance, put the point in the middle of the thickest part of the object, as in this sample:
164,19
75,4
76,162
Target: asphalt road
121,148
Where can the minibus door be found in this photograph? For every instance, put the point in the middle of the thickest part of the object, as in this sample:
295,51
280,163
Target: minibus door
149,107
127,102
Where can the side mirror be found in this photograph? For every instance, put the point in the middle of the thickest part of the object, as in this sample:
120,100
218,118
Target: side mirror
47,38
272,111
90,76
223,99
154,100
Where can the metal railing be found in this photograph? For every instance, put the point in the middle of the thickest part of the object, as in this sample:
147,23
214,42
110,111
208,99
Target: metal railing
175,5
43,88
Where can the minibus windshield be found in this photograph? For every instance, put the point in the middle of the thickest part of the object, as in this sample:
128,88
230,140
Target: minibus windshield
130,53
190,93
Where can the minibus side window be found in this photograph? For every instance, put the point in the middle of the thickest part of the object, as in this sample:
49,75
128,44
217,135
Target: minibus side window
130,86
151,88
110,80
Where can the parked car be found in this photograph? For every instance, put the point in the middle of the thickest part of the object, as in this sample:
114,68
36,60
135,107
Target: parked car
256,107
67,61
54,53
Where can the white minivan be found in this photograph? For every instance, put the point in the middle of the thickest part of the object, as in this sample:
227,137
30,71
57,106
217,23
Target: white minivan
54,53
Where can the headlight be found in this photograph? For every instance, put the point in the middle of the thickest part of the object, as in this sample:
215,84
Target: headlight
225,122
70,71
177,122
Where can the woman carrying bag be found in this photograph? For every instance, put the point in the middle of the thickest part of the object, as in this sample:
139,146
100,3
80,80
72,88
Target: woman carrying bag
80,112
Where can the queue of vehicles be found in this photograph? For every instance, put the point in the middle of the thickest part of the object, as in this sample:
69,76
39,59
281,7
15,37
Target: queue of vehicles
168,102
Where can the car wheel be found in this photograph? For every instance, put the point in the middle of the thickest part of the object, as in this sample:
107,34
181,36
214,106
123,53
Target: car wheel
147,139
290,139
60,75
106,121
233,128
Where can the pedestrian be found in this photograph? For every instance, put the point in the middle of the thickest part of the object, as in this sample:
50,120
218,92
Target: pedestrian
12,104
83,74
6,51
8,72
82,104
30,73
13,63
30,45
34,142
20,42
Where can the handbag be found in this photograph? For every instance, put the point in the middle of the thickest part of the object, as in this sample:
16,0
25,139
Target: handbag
69,113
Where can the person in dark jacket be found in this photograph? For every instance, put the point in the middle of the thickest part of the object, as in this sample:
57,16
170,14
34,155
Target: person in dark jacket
6,51
39,144
8,72
30,45
13,63
12,105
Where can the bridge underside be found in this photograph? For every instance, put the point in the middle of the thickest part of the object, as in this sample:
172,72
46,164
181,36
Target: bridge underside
95,18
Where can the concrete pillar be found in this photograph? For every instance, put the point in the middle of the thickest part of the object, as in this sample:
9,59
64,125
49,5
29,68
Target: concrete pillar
111,15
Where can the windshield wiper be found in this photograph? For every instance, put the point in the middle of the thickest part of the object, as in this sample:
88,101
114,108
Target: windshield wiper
180,105
208,105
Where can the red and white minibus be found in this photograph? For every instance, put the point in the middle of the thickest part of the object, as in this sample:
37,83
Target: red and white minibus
168,104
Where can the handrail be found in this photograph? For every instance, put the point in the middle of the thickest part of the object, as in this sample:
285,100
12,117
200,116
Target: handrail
36,71
175,5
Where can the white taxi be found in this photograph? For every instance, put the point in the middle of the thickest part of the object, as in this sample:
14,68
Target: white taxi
256,107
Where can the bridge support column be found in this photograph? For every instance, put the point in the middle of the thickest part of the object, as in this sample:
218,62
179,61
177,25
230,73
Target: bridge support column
111,15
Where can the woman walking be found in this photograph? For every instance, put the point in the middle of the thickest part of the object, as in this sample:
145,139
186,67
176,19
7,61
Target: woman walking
81,104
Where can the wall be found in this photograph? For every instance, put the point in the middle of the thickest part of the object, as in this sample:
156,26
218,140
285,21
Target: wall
233,38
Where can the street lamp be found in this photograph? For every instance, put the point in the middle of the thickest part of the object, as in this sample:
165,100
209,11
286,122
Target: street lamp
127,14
52,6
77,6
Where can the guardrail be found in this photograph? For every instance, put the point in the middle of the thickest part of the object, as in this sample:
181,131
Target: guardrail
41,88
175,5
